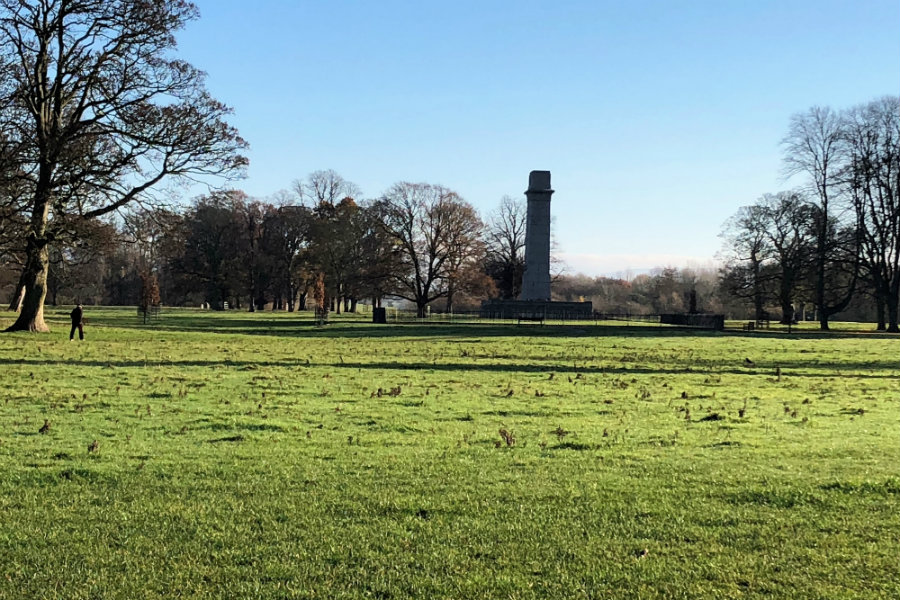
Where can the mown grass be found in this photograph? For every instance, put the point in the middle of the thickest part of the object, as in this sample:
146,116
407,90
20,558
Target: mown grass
258,456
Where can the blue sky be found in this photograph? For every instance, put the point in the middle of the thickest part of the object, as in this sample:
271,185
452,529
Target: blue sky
657,119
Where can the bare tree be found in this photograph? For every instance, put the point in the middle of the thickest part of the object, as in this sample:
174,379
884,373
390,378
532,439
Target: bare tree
787,221
325,187
465,249
505,239
285,241
208,252
814,146
872,179
431,226
13,205
100,115
336,247
744,274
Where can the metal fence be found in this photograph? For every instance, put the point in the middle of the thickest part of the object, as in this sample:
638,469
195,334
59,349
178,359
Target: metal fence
395,315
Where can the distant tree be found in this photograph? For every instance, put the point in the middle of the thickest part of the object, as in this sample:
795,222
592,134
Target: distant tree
744,273
143,238
149,294
505,241
430,225
98,114
814,146
381,257
206,250
871,178
464,266
250,216
325,187
13,221
75,261
788,224
285,243
336,247
320,297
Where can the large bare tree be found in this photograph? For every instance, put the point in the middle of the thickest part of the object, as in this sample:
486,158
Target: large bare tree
744,273
100,114
505,238
435,231
814,146
872,180
788,222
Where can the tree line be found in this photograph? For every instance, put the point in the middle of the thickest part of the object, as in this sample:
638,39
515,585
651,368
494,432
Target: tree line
315,245
837,236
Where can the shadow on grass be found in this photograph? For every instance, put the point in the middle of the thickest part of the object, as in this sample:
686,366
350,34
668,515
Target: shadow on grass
850,369
309,329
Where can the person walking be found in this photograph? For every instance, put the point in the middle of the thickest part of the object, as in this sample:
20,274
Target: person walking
77,322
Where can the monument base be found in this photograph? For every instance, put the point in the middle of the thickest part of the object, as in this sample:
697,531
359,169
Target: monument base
536,309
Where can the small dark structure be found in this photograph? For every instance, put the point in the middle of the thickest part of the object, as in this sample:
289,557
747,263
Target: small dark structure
379,315
699,321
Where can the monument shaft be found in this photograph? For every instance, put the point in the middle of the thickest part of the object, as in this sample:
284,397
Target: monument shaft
536,280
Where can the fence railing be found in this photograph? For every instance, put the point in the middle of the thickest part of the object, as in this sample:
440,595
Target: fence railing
395,315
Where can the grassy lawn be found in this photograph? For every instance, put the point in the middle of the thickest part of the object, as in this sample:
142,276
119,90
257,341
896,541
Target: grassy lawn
258,456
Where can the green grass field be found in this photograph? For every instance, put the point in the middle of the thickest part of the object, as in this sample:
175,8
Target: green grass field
259,456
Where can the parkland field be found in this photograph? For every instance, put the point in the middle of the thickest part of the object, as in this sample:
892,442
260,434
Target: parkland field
238,455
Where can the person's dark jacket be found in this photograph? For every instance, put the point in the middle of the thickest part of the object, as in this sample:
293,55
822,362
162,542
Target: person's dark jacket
77,315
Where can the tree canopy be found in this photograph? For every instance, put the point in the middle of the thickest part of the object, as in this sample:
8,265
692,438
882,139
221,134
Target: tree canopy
96,113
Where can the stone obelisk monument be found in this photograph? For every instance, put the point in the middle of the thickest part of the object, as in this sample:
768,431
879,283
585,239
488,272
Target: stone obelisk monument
536,280
534,302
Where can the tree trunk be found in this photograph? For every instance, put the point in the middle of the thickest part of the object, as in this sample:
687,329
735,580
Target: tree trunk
879,312
821,304
353,305
301,302
758,307
34,278
757,287
787,312
893,306
823,319
421,309
16,302
450,293
893,325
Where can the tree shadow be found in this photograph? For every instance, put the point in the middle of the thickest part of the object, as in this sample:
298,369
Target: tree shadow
305,327
850,369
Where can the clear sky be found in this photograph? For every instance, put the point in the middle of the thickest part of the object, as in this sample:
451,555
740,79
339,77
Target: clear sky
657,119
